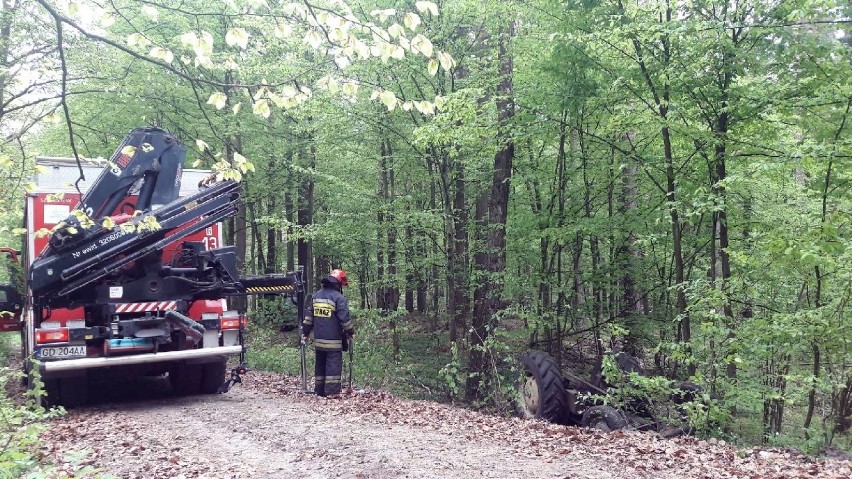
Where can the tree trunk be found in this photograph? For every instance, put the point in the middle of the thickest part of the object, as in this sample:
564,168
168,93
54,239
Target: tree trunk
305,215
498,208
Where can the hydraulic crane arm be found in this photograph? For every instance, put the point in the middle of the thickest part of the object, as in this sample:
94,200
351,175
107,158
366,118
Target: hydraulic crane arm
150,157
150,154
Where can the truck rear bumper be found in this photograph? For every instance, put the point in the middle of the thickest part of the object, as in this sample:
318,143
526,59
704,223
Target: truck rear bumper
49,367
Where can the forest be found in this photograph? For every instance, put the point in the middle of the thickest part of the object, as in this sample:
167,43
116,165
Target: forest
671,179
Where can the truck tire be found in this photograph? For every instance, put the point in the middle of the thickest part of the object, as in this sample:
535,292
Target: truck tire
213,377
604,418
541,393
185,378
69,392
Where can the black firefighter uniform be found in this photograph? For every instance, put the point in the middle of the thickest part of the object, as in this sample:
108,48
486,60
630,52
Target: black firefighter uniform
328,317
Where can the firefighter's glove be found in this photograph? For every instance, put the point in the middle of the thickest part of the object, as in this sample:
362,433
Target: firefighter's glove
350,334
304,340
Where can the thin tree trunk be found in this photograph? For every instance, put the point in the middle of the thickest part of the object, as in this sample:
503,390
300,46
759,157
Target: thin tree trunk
305,215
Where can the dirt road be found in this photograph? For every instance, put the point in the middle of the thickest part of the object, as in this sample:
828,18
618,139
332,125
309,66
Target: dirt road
266,429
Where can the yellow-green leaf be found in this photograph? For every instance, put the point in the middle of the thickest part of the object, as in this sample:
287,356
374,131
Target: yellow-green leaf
256,4
383,14
218,100
411,20
108,223
425,107
162,54
237,107
261,107
396,30
389,99
427,6
151,12
202,145
313,39
447,61
433,67
282,31
137,39
19,231
238,37
422,45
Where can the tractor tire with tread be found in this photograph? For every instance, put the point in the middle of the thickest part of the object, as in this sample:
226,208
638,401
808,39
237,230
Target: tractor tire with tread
541,390
604,418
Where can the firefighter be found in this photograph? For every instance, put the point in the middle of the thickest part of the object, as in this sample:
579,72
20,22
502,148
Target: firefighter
328,317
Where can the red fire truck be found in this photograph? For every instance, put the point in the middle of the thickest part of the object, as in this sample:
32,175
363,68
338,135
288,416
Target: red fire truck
132,276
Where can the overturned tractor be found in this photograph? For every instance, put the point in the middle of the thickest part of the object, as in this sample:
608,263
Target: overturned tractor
545,392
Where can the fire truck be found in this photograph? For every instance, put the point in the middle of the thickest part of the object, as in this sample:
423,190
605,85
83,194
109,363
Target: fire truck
127,273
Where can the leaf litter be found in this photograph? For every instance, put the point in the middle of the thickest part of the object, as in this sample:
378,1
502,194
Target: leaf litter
267,428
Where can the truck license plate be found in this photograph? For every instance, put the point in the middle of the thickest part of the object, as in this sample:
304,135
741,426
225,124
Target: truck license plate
62,352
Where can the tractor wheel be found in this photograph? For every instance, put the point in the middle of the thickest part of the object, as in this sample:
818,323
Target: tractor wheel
213,376
603,418
541,394
185,378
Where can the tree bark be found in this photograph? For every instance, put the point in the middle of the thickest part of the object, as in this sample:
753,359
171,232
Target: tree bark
498,208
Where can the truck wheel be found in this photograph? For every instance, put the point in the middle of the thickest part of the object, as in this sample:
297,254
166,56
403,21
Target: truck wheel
69,392
185,378
604,418
74,391
541,394
213,377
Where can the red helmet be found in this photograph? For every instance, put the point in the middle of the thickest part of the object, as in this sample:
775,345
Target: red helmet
340,277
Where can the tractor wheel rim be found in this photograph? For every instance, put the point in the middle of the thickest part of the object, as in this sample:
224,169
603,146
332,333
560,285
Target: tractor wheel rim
530,399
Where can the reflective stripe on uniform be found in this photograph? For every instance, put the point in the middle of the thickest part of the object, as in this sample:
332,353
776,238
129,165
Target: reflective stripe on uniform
332,344
308,321
332,379
348,324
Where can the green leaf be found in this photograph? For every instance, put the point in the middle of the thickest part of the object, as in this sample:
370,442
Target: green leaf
202,145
